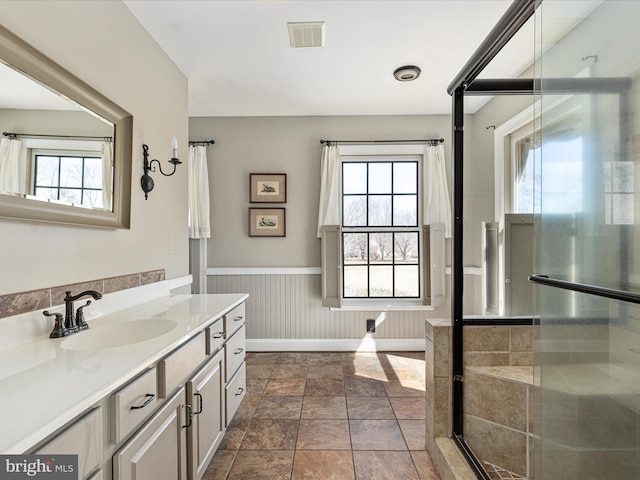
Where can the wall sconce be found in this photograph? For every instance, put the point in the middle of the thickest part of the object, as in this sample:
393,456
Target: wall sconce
146,181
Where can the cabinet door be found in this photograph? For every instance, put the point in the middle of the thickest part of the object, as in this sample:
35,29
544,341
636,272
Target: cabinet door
83,438
205,394
159,450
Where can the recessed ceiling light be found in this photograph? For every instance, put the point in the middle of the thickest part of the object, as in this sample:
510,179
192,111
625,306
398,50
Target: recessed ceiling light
406,73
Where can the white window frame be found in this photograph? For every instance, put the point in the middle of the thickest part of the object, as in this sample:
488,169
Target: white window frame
390,153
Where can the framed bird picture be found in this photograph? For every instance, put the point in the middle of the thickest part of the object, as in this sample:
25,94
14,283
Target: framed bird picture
268,187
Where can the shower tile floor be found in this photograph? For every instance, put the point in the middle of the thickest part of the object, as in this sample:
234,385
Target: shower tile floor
498,473
328,415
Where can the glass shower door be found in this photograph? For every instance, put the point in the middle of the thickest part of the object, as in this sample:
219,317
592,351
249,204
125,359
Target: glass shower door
587,423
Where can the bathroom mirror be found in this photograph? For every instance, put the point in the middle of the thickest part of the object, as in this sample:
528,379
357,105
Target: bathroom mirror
65,155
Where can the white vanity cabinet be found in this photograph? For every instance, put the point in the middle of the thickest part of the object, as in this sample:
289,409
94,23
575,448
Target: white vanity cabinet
205,393
158,451
209,374
158,410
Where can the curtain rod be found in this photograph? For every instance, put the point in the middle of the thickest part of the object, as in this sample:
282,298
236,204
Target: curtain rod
432,141
202,142
14,136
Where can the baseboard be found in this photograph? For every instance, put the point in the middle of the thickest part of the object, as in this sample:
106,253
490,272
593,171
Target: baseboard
336,345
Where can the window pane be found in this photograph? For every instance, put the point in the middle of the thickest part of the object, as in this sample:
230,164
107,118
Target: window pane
355,248
379,177
355,211
405,177
562,171
381,281
528,186
407,281
92,172
622,209
379,210
354,178
406,247
71,172
405,210
70,196
623,177
47,171
92,198
355,281
46,193
381,247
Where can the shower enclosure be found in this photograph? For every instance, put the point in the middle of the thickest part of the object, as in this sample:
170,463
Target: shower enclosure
587,253
574,413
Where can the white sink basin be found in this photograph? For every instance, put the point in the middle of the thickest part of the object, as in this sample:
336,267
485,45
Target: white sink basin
118,334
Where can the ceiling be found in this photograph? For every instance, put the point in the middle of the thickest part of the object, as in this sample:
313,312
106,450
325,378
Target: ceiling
238,61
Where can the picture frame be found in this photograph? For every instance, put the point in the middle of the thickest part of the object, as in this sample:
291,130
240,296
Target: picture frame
268,187
267,222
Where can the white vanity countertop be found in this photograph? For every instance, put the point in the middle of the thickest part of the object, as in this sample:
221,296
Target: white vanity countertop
43,385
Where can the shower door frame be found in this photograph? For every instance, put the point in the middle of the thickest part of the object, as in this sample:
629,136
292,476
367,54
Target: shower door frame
466,83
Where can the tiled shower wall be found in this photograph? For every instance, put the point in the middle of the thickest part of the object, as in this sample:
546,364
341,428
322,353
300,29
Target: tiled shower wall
22,302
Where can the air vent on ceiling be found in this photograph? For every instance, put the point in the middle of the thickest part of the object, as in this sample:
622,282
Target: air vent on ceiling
306,34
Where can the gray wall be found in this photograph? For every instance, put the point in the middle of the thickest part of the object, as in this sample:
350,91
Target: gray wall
288,145
284,306
103,44
55,122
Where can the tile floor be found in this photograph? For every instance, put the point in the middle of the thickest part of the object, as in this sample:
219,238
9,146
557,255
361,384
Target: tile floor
328,415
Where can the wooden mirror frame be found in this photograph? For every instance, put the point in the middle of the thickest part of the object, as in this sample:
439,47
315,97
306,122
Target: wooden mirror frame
23,57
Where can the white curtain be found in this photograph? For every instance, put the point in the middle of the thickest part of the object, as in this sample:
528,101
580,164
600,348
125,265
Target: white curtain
13,167
199,224
106,152
329,210
437,203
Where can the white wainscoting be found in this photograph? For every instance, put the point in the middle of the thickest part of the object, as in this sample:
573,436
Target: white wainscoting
284,312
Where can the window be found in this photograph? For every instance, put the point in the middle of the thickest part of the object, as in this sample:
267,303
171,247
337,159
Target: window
618,192
563,166
381,257
75,178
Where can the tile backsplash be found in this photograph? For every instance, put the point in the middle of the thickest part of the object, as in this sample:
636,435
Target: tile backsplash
22,302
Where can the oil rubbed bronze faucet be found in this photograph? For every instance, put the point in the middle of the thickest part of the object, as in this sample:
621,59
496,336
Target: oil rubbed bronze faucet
72,323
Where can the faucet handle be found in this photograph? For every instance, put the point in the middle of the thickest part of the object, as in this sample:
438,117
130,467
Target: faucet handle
80,322
58,329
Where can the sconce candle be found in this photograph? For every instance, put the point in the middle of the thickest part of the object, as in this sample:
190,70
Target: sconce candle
146,181
174,146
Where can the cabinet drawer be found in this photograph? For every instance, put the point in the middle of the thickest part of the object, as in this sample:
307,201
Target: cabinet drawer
215,336
234,353
82,438
235,390
132,404
174,369
234,320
